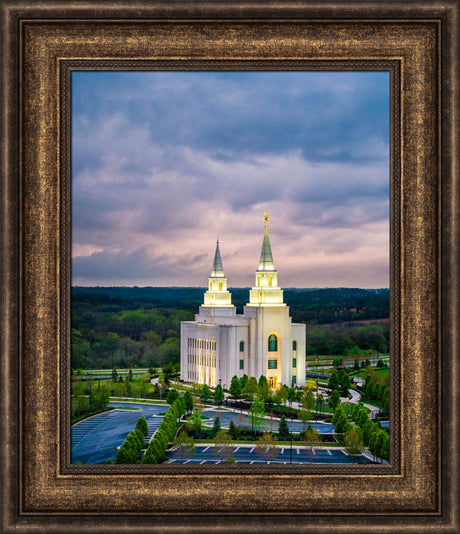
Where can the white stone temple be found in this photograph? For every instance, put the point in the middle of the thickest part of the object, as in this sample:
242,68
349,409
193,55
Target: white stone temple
220,343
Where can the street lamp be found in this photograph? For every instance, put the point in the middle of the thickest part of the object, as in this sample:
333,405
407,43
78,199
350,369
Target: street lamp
90,386
290,458
252,422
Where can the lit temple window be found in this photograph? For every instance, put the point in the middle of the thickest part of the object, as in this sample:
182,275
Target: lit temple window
272,343
273,364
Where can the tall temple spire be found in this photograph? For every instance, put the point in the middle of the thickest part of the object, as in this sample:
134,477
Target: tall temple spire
217,269
266,291
217,295
266,258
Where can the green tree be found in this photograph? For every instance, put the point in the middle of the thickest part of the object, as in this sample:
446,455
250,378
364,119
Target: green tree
334,382
126,454
184,445
341,425
345,385
308,400
257,412
320,402
233,430
251,388
283,429
142,425
223,446
338,412
205,393
262,381
218,395
216,427
292,396
266,447
311,437
304,416
196,421
162,438
168,351
354,441
334,399
243,381
235,388
173,394
188,400
284,393
153,453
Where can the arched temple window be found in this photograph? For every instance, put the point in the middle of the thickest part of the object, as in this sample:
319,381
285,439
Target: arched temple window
272,343
241,346
294,345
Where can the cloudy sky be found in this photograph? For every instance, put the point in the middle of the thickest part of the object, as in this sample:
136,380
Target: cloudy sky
166,162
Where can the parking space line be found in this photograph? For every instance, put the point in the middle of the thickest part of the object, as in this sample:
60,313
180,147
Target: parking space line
298,451
203,462
252,450
329,452
204,450
236,450
187,461
282,450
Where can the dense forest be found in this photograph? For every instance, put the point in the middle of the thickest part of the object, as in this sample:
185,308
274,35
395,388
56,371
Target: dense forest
140,326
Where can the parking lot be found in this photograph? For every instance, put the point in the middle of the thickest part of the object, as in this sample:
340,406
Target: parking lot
96,439
247,454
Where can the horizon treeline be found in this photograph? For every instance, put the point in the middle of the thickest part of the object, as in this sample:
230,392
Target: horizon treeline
140,327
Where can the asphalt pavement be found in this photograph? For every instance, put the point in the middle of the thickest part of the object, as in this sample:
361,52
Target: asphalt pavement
96,439
247,454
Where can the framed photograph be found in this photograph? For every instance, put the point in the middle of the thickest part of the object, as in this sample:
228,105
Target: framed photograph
162,161
61,64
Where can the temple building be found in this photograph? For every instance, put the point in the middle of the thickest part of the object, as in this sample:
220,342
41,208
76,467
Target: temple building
220,343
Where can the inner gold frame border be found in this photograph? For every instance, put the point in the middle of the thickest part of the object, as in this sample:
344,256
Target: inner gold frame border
41,45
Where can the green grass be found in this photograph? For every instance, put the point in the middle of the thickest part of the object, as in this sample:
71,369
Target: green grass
130,399
382,372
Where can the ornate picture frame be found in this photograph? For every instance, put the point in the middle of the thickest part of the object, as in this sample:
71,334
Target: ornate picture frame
42,43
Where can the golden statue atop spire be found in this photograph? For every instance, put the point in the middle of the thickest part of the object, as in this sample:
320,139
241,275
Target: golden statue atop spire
266,220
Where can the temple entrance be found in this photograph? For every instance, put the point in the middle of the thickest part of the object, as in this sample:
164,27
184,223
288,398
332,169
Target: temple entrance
272,382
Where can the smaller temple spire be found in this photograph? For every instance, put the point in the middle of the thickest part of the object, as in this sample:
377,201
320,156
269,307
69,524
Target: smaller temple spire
266,258
217,269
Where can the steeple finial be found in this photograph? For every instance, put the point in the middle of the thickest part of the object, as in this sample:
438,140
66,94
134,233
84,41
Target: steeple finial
266,258
217,269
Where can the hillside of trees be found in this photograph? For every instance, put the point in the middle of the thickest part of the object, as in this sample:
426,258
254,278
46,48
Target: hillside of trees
140,327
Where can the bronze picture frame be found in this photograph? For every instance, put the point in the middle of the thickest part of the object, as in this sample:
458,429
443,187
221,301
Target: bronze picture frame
42,43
